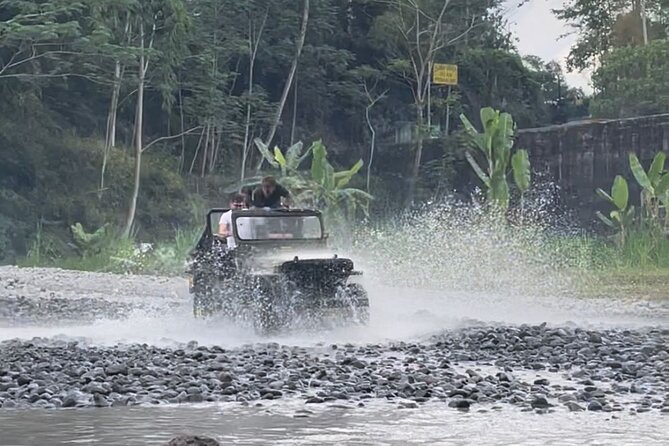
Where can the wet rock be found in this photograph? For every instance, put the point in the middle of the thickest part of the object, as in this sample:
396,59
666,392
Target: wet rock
574,407
117,369
539,402
460,403
595,406
193,441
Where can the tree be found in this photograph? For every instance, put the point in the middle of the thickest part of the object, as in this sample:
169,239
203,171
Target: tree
299,44
603,25
33,32
161,26
632,81
413,32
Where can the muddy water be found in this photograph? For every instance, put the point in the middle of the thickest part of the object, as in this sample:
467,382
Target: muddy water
286,423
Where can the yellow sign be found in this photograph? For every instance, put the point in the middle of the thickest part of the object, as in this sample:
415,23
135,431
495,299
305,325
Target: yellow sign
445,74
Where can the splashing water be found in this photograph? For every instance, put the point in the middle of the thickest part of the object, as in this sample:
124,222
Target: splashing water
456,247
439,267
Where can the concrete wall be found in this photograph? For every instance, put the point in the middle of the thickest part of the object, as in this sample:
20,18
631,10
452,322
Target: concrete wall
581,156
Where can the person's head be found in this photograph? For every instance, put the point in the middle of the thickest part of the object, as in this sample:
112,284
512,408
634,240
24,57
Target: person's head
247,192
237,201
268,185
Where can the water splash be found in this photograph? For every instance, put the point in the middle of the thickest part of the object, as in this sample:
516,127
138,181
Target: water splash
458,247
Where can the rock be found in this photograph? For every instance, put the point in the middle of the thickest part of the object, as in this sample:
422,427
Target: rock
594,406
574,407
539,402
99,400
193,441
117,369
9,404
23,380
460,404
595,338
314,400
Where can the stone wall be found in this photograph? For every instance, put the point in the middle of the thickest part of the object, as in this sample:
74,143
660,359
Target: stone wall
581,156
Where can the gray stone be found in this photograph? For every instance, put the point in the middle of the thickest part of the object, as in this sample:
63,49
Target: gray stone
193,441
594,406
574,407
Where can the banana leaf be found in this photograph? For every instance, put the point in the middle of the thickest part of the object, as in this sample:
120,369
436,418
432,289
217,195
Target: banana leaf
640,174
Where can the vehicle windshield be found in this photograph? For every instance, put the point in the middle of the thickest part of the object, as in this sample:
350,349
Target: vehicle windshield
298,227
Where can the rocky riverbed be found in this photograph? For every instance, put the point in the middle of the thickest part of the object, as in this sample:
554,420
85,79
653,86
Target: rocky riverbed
536,367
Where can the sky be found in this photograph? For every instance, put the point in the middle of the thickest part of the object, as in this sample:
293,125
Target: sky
538,33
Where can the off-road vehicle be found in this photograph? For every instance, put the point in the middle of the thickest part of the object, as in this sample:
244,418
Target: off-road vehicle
280,272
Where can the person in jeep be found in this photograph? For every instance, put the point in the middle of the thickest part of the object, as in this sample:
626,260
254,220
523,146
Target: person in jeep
225,223
270,194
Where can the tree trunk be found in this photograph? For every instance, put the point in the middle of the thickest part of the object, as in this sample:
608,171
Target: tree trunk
182,158
289,81
110,137
138,137
292,126
420,122
644,26
247,127
371,148
205,154
254,42
197,152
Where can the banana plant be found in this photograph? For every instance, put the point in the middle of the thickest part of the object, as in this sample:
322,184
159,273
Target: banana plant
288,163
328,188
323,187
623,215
520,163
496,144
655,186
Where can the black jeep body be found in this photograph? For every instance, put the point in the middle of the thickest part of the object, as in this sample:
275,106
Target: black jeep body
281,272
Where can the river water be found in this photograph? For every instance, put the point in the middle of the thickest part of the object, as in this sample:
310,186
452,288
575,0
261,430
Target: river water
400,315
283,423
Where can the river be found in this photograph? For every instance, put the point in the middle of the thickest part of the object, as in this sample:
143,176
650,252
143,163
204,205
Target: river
402,322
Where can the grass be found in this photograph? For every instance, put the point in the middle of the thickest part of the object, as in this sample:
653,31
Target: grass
116,254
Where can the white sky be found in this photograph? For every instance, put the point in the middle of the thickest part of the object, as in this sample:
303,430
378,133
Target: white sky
538,33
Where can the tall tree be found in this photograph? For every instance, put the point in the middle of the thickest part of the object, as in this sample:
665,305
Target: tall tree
414,32
602,25
161,26
299,44
632,81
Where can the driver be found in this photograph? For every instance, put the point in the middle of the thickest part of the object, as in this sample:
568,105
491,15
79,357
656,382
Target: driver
225,223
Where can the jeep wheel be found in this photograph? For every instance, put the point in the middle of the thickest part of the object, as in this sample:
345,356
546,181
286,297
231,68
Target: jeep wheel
265,319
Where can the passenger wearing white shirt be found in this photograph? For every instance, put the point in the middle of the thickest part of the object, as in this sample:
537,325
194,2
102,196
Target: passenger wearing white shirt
225,223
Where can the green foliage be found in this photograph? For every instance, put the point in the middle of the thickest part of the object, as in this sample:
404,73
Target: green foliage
632,81
600,25
520,162
649,227
322,187
89,243
655,189
623,215
496,143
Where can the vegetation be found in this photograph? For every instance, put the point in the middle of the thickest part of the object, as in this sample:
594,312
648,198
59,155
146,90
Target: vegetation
122,119
627,42
125,112
320,187
496,143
